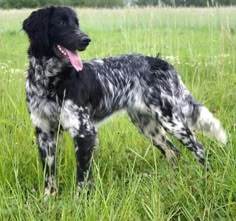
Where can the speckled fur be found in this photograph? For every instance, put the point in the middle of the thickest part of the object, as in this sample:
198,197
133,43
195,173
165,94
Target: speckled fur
148,88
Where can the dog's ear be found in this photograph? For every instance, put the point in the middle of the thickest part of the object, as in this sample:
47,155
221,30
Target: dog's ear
36,26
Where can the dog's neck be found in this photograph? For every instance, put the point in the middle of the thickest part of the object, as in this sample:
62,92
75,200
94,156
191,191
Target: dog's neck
46,67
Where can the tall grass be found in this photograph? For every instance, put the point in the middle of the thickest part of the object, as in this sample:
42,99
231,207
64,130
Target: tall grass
132,180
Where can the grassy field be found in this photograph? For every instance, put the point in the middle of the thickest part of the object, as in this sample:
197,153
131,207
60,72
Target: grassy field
132,180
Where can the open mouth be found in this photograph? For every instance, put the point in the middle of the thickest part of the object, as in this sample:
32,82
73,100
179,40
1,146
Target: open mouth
73,56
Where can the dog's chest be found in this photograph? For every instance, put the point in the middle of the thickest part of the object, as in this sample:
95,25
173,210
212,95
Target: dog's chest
42,104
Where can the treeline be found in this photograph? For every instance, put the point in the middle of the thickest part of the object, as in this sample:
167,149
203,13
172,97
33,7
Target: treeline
114,3
185,3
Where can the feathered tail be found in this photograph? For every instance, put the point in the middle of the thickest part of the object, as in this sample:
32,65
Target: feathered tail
199,117
208,124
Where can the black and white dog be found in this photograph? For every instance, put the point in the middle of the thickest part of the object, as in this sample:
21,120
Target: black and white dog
63,92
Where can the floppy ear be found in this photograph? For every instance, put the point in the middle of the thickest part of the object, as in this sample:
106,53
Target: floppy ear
36,26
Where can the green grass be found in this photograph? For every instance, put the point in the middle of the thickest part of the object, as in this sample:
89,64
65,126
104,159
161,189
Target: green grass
132,180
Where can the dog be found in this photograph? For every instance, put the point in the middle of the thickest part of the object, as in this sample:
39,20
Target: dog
68,94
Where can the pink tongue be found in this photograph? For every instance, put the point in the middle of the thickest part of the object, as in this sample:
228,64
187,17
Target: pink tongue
75,60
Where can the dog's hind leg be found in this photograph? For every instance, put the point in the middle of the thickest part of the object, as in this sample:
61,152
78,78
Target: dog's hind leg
154,132
174,124
47,150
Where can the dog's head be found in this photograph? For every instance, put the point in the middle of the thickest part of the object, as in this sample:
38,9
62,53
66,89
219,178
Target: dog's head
54,31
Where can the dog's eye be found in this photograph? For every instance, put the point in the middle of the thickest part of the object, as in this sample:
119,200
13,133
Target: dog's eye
62,22
76,21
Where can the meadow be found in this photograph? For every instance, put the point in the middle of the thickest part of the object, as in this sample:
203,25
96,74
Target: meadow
132,179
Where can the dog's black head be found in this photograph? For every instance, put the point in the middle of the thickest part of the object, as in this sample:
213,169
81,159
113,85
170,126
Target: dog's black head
54,31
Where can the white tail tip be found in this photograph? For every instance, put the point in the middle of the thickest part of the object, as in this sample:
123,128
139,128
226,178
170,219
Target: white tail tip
210,125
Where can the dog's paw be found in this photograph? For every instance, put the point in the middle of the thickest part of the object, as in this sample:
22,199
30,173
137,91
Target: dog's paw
50,192
84,186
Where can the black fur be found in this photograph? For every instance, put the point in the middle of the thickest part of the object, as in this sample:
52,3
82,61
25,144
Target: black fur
148,88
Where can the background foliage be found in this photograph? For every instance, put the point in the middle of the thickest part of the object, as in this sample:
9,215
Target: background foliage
112,3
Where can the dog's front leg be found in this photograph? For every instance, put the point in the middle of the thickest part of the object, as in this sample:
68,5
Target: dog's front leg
83,150
84,140
47,150
76,120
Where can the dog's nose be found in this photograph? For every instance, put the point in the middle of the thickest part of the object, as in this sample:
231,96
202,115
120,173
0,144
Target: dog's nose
85,40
